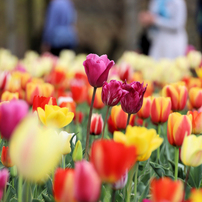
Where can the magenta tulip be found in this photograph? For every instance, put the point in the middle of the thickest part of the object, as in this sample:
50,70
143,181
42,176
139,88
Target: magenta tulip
4,175
132,101
87,182
97,69
10,115
112,92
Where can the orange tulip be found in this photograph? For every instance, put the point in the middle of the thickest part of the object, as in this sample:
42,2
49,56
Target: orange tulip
196,195
165,189
178,94
111,159
144,111
5,157
160,109
196,121
178,126
98,104
195,97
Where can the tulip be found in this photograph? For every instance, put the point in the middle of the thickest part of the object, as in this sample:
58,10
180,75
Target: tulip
195,97
7,96
5,157
97,69
87,182
70,104
145,140
191,151
96,124
64,185
11,115
132,101
47,89
78,118
172,190
125,72
4,78
194,58
105,157
196,195
34,150
178,126
55,115
178,95
144,111
112,93
78,152
40,101
160,109
199,72
4,176
196,121
192,82
111,126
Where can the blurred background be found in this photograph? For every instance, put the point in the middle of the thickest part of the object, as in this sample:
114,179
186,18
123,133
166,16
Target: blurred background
104,27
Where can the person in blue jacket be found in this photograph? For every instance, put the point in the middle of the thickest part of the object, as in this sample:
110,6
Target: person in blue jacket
59,29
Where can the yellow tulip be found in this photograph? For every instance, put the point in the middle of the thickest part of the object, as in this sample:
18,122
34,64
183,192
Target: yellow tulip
54,115
35,151
191,151
145,140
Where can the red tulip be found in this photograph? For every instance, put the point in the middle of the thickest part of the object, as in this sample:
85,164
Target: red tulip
5,157
112,159
96,124
144,111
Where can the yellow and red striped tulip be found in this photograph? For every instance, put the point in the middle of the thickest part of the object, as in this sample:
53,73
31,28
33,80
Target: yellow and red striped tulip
196,195
47,90
191,151
98,104
196,121
195,97
178,94
172,190
144,111
178,126
160,109
54,115
7,96
145,140
192,82
5,157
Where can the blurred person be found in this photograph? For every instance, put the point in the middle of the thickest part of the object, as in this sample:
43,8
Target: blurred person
199,20
166,21
59,29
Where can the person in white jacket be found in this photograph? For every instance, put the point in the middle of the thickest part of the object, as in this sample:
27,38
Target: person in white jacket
166,20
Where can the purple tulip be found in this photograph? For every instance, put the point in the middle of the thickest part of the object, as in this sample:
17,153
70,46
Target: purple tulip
112,92
10,115
132,101
87,182
97,69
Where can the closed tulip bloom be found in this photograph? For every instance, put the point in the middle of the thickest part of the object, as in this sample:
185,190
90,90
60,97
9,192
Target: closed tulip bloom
7,96
172,190
5,157
178,126
195,97
41,101
54,115
11,114
64,185
4,176
178,94
144,111
145,140
111,159
160,109
34,150
97,69
196,121
78,152
112,92
196,195
191,151
87,182
96,125
132,101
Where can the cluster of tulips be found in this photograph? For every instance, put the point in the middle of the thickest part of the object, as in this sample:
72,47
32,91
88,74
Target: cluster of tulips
54,148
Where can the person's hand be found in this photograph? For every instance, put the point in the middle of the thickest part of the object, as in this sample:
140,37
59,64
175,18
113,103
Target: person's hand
146,18
45,48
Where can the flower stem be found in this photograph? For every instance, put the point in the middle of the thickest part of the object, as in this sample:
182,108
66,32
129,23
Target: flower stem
103,130
113,197
128,120
187,177
20,180
136,173
88,125
63,161
176,161
129,185
158,150
144,123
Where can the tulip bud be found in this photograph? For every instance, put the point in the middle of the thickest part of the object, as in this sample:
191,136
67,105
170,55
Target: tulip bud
5,157
144,111
96,124
87,182
195,97
78,152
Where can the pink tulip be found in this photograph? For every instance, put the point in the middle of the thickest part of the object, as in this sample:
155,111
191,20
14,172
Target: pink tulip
132,101
112,92
4,175
97,69
87,182
10,115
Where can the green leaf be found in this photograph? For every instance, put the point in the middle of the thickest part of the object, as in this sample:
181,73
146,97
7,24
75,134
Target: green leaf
14,199
49,187
48,198
37,200
196,173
